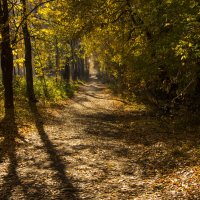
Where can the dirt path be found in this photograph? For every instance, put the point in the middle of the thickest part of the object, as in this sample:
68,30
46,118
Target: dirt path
95,147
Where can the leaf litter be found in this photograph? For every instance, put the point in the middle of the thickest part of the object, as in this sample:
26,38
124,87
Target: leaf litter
96,147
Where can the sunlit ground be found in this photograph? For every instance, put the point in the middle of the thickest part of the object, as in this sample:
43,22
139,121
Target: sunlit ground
96,147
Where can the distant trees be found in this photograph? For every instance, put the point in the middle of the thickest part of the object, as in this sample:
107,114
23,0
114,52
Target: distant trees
144,47
36,43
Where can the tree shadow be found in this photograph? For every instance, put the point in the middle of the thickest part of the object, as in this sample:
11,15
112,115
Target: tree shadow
110,99
67,189
9,133
161,148
82,100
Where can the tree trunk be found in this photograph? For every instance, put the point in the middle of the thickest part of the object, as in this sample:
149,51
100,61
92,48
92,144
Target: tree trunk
6,56
57,58
66,72
87,65
73,62
75,72
28,57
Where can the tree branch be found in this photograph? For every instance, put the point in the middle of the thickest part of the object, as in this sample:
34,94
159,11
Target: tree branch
25,18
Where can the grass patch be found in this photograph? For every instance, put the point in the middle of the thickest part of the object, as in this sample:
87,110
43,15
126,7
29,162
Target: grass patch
46,89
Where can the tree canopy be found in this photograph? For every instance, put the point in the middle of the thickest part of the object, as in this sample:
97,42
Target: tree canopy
141,47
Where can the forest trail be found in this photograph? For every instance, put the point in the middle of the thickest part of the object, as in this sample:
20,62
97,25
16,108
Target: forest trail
96,147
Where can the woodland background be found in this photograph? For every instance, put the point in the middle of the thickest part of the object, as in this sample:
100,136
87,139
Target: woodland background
144,49
133,133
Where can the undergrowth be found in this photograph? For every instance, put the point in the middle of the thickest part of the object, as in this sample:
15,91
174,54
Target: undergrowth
47,89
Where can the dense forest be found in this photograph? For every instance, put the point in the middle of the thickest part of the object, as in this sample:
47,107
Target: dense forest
103,81
140,47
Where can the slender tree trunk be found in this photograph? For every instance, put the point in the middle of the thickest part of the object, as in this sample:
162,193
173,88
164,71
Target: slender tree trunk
82,68
18,67
6,56
74,62
86,63
57,58
66,72
28,57
74,72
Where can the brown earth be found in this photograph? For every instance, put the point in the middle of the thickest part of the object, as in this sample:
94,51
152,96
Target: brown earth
96,147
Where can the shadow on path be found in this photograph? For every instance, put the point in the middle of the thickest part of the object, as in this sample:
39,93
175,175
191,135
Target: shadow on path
67,191
104,98
9,132
160,149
